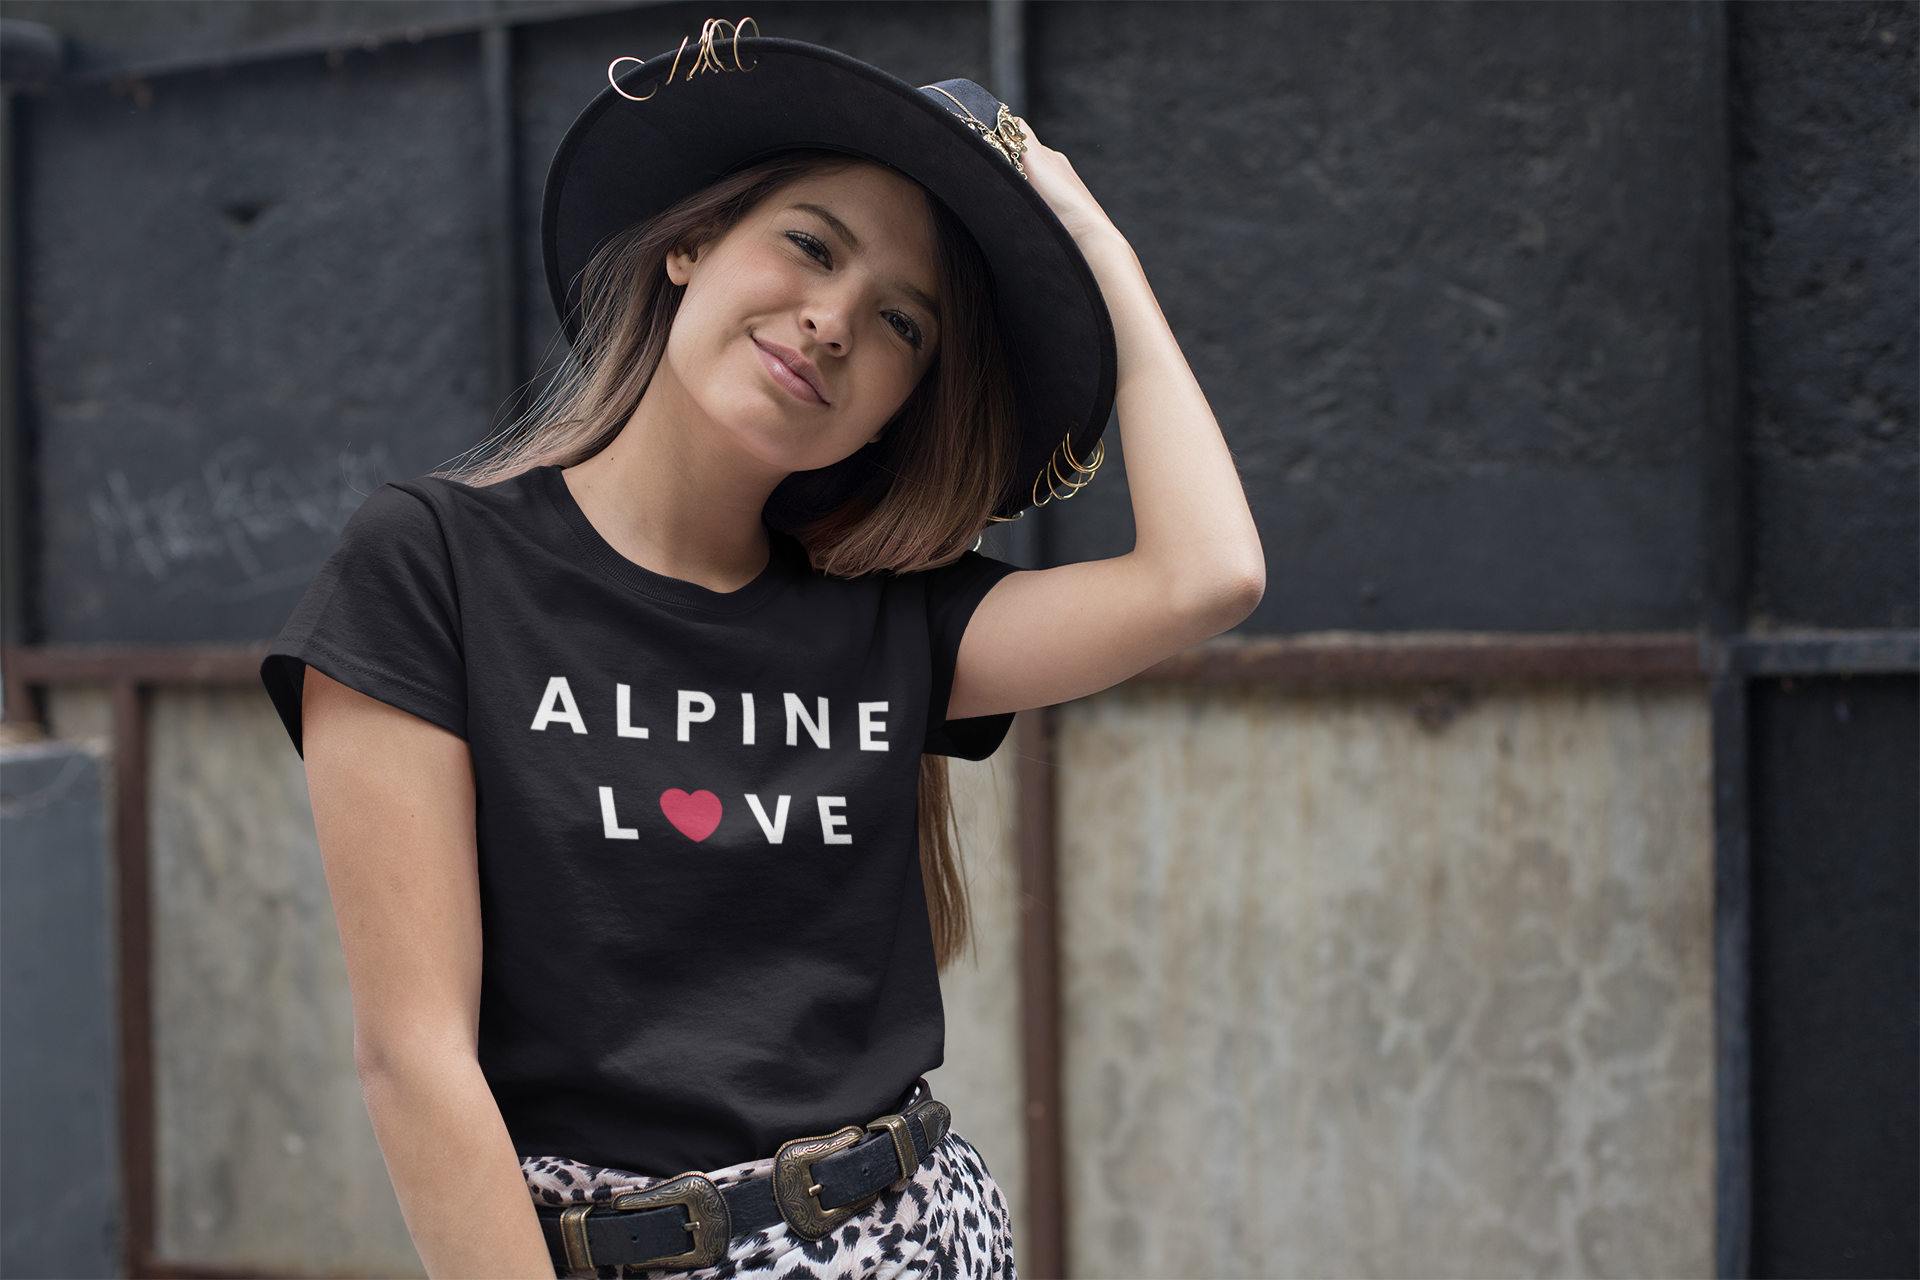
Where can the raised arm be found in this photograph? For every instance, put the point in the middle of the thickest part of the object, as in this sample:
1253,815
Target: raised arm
1196,567
393,803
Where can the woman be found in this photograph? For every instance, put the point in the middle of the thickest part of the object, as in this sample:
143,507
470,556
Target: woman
626,741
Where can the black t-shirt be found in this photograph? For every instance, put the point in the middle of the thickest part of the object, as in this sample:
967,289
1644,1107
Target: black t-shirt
704,926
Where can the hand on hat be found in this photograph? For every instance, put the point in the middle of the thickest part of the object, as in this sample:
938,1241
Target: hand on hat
1053,176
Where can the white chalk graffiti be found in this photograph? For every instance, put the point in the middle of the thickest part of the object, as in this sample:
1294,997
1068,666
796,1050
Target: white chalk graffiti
227,513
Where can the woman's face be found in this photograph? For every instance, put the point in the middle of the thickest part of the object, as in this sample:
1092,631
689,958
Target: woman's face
806,326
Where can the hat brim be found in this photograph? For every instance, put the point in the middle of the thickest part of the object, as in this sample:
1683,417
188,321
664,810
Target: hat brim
623,162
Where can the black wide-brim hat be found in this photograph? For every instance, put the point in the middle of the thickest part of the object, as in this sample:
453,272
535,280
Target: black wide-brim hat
717,107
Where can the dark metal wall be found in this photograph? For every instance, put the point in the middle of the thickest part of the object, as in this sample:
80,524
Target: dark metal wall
108,39
250,299
1446,272
1438,269
1826,160
1836,977
1828,146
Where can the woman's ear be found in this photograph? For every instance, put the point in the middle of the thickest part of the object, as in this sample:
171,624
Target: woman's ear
680,264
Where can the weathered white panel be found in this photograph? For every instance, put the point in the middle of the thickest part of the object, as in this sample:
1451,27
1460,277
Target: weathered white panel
266,1157
981,1080
1364,984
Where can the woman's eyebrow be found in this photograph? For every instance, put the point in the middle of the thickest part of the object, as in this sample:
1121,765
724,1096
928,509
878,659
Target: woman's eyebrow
845,232
919,295
840,228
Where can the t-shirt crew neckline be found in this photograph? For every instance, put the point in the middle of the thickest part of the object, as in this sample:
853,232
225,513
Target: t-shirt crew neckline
784,557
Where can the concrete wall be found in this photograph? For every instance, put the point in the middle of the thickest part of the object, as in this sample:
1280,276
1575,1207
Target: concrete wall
1373,985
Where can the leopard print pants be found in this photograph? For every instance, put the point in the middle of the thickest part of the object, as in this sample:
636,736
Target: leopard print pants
949,1223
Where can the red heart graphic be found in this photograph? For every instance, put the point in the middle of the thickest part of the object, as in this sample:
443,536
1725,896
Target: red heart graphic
695,815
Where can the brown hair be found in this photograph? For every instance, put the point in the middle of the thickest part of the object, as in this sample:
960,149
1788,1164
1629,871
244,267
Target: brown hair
916,498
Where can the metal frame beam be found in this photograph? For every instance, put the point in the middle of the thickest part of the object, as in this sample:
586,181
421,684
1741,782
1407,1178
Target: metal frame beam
1043,1239
13,450
503,224
1732,980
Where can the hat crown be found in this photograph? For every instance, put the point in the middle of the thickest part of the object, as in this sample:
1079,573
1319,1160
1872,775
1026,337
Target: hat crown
679,122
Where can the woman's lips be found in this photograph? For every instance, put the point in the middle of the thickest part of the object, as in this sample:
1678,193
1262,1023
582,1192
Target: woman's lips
793,371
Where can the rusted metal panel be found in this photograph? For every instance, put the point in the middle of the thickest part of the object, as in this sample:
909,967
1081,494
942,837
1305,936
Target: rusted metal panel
1357,658
133,912
28,665
1045,1250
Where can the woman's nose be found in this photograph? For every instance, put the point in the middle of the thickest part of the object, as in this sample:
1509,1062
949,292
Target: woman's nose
825,320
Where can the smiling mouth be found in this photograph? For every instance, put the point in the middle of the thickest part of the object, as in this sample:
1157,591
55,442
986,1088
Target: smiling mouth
792,371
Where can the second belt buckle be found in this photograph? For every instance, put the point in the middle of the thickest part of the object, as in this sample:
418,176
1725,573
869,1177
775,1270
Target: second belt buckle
708,1223
795,1191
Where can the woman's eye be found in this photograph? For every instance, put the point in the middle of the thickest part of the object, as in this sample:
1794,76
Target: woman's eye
811,247
906,328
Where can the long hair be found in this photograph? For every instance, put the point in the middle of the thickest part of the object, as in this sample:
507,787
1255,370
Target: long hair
915,499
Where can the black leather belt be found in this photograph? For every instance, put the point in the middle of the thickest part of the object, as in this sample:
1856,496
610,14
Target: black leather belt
685,1222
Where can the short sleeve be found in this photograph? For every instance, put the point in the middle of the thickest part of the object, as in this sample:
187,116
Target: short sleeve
382,618
954,591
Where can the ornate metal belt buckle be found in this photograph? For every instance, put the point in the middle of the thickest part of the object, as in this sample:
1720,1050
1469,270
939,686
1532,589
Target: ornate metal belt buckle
708,1222
796,1193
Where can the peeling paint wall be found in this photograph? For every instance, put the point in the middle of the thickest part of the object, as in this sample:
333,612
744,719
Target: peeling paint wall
267,1158
1362,984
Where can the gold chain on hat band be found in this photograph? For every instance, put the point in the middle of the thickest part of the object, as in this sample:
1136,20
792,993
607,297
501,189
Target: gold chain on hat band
1004,135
